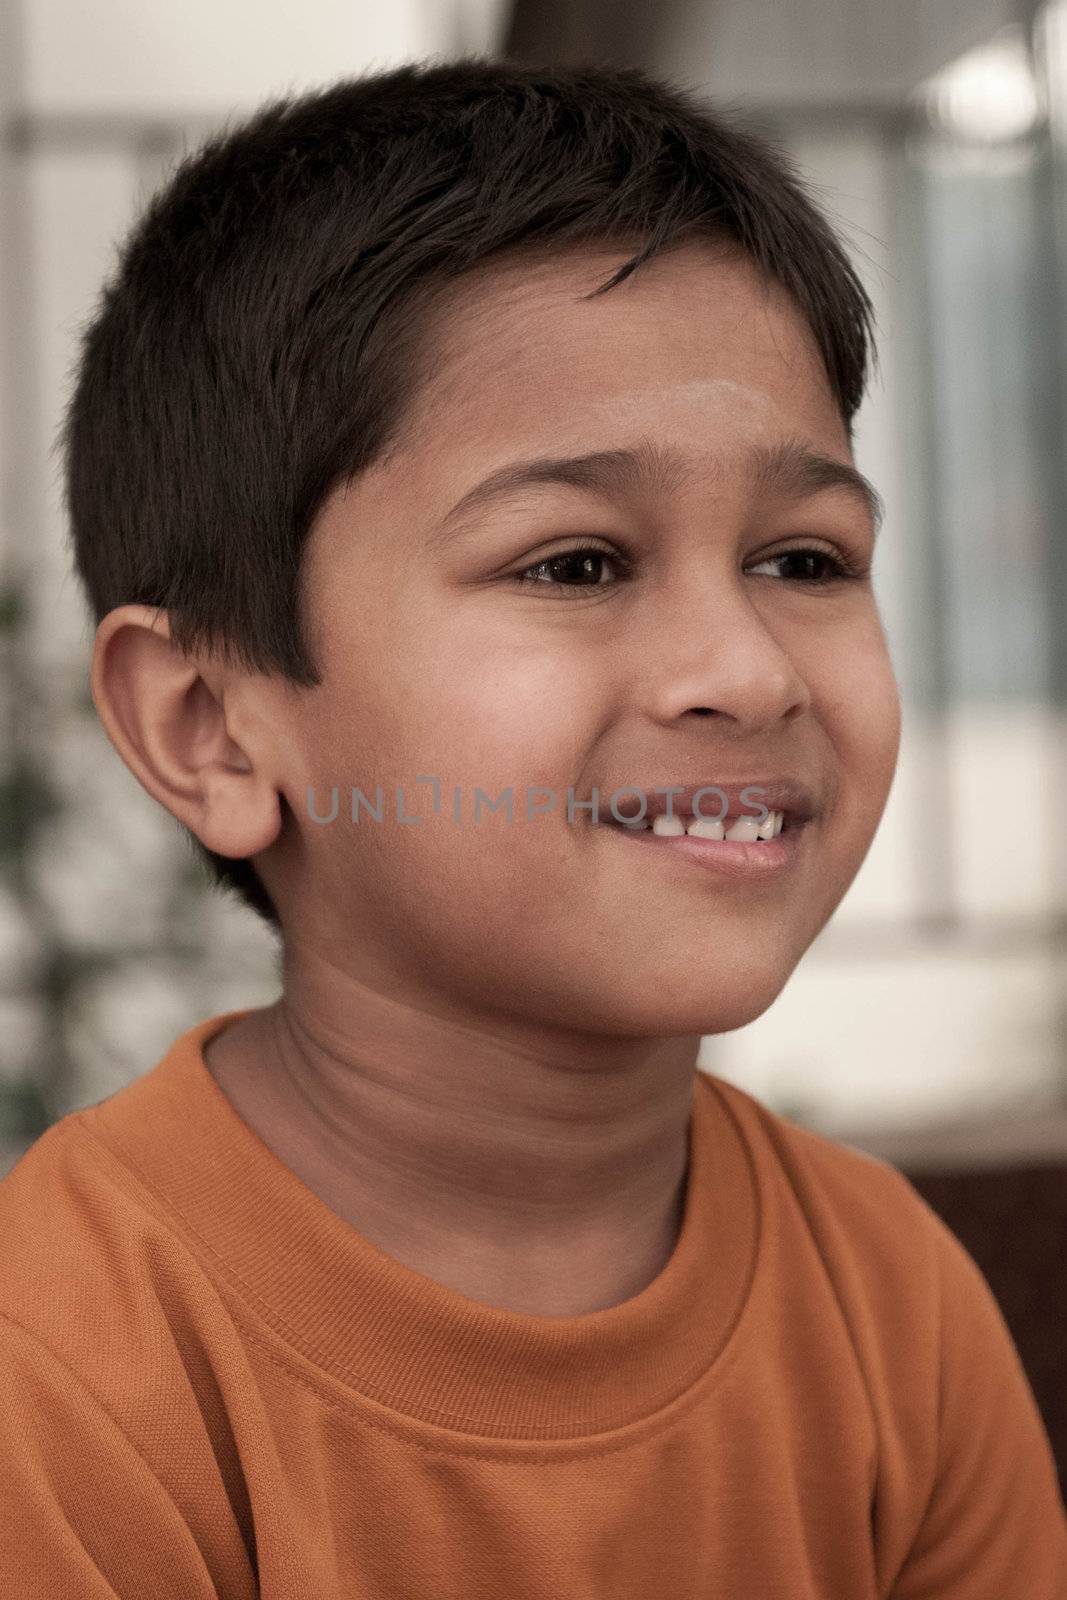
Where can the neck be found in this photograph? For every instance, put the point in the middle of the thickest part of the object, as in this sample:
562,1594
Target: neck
532,1170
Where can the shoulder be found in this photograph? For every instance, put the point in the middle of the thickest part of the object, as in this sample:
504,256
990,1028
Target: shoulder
966,1481
93,1273
836,1187
107,1463
849,1231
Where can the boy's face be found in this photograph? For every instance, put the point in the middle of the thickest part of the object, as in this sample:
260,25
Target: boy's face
701,662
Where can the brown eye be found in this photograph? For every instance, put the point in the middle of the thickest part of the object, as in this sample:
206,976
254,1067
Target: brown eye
811,565
581,567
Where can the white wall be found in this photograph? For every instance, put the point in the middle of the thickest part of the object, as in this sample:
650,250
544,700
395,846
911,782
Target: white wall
819,52
130,58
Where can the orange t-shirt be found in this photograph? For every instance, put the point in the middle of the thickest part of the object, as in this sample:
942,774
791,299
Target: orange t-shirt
213,1386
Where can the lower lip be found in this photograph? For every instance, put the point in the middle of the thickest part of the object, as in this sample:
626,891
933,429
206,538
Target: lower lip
763,859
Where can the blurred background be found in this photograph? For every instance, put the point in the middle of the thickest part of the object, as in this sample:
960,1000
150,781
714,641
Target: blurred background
928,1023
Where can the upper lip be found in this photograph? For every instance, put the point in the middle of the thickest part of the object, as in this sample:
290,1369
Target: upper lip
786,794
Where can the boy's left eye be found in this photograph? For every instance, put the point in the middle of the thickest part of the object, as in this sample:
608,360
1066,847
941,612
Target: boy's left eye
583,562
833,568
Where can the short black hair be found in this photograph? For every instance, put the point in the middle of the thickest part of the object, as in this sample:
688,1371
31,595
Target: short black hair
257,342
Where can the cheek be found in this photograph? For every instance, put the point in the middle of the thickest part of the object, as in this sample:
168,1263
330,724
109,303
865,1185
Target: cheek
858,706
474,712
876,717
493,709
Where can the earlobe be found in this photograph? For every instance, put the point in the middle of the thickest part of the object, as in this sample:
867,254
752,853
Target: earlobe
239,816
169,725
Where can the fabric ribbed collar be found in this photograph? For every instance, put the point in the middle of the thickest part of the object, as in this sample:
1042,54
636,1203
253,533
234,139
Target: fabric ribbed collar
399,1337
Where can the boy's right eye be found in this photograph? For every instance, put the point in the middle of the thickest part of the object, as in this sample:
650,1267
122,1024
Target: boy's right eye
583,562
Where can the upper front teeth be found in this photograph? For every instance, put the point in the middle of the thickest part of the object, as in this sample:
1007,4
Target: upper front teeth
747,829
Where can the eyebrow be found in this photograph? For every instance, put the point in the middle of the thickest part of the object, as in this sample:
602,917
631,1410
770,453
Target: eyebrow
789,468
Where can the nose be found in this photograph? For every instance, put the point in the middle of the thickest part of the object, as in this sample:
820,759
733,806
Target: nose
713,653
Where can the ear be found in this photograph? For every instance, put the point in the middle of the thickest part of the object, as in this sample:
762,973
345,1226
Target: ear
172,718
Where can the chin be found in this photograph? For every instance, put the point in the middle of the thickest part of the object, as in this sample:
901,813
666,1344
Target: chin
698,1010
723,1013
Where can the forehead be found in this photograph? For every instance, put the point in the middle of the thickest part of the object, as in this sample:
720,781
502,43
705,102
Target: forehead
696,351
515,349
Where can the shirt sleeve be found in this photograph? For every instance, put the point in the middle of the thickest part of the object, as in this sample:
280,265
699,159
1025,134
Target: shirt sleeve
82,1515
995,1526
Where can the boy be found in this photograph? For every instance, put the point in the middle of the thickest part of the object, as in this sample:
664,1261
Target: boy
471,430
